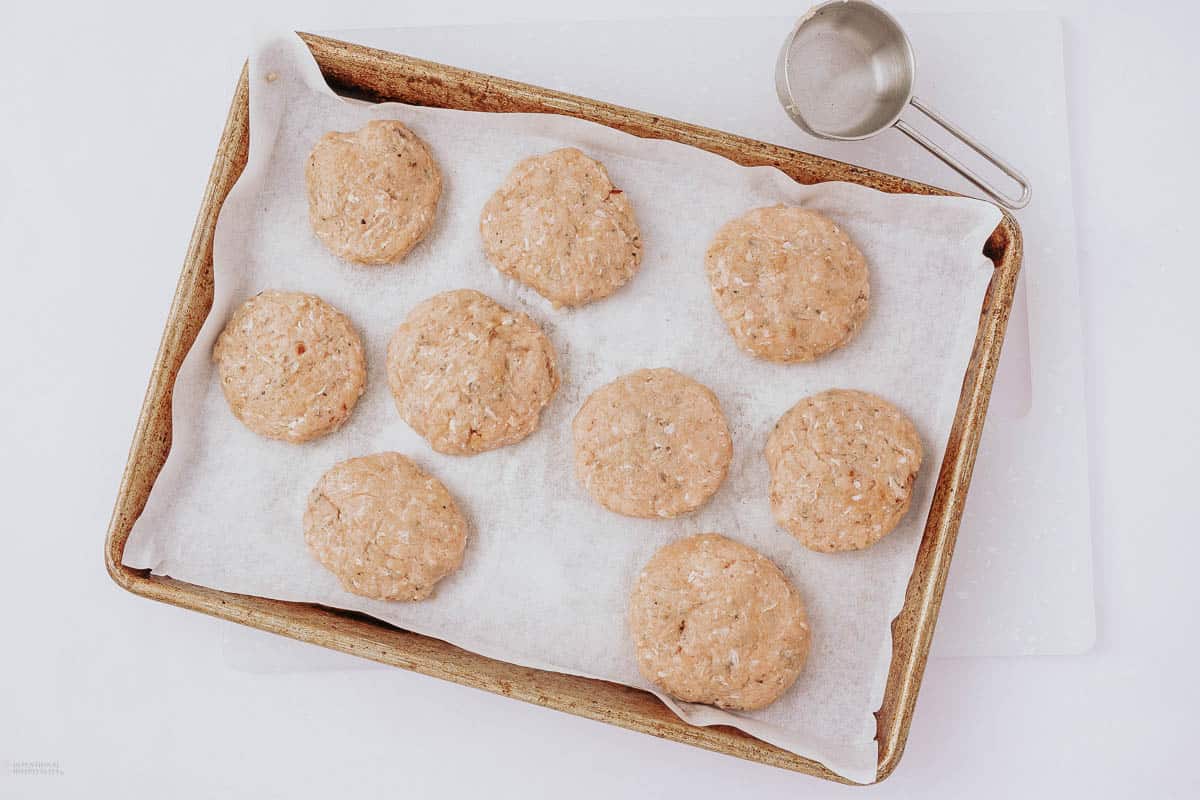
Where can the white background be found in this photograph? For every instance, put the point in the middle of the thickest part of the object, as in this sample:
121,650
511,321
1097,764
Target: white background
108,122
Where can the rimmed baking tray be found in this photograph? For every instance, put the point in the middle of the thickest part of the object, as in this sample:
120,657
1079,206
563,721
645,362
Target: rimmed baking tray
378,75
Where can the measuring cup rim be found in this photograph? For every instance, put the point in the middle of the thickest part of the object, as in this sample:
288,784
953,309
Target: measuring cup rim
789,103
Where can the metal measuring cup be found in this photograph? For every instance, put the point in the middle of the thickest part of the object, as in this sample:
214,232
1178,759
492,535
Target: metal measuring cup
846,72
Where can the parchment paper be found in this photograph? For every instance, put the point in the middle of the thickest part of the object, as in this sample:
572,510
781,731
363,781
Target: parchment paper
547,570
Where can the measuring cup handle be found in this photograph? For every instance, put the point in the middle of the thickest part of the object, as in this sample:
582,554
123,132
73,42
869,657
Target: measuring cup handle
1003,199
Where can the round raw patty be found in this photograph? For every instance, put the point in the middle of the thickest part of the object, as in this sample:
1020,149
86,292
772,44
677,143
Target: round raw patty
384,527
372,194
716,622
558,225
291,365
843,464
653,443
788,282
468,374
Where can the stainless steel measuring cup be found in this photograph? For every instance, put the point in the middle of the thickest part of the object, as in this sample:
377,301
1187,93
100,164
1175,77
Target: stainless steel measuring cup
846,72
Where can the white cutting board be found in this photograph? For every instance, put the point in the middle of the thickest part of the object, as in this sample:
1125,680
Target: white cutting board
1021,579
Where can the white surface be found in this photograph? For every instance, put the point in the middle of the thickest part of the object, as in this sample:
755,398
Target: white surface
121,691
548,572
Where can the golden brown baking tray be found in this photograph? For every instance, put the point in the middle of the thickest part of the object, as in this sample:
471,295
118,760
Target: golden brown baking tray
379,75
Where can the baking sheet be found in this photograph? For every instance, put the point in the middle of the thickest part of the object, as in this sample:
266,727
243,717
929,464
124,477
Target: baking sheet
547,571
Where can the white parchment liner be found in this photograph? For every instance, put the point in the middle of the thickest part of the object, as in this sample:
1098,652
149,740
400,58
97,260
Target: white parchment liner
547,570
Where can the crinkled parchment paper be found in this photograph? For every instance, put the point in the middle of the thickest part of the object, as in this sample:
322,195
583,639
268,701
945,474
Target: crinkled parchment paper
547,570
